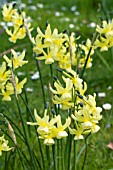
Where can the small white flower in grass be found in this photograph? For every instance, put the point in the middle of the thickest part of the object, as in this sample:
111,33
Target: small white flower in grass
108,125
107,106
74,19
2,24
32,7
20,73
35,76
29,89
39,18
77,13
92,25
67,19
102,94
39,5
73,8
109,88
22,5
29,1
63,8
57,14
71,26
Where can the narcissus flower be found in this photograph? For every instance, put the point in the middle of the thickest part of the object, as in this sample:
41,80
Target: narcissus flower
6,94
8,12
78,83
60,128
18,33
17,60
86,118
4,145
65,92
78,133
103,44
18,85
87,47
4,74
50,128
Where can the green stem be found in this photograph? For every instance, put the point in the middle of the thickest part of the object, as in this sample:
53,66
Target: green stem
58,154
14,125
5,167
27,143
51,70
48,156
85,155
27,114
83,70
35,130
21,160
74,158
69,151
41,81
62,155
54,156
38,162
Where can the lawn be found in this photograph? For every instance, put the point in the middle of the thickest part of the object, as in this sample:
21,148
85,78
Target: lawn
77,16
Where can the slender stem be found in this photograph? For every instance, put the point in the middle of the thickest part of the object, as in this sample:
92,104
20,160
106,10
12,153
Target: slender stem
66,152
27,115
27,143
83,70
48,156
74,158
21,158
14,125
42,156
62,155
69,151
58,154
5,167
85,151
54,156
41,81
38,162
51,70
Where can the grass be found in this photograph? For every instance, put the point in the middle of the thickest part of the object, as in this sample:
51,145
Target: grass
98,78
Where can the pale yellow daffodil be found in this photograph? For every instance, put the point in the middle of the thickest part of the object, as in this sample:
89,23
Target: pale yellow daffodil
65,103
8,12
60,128
48,57
87,47
103,44
6,94
77,82
65,92
17,60
78,133
106,28
4,145
4,74
18,85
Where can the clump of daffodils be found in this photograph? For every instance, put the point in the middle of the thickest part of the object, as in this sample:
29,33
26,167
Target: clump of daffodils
9,83
4,145
61,48
71,95
105,38
12,15
50,128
